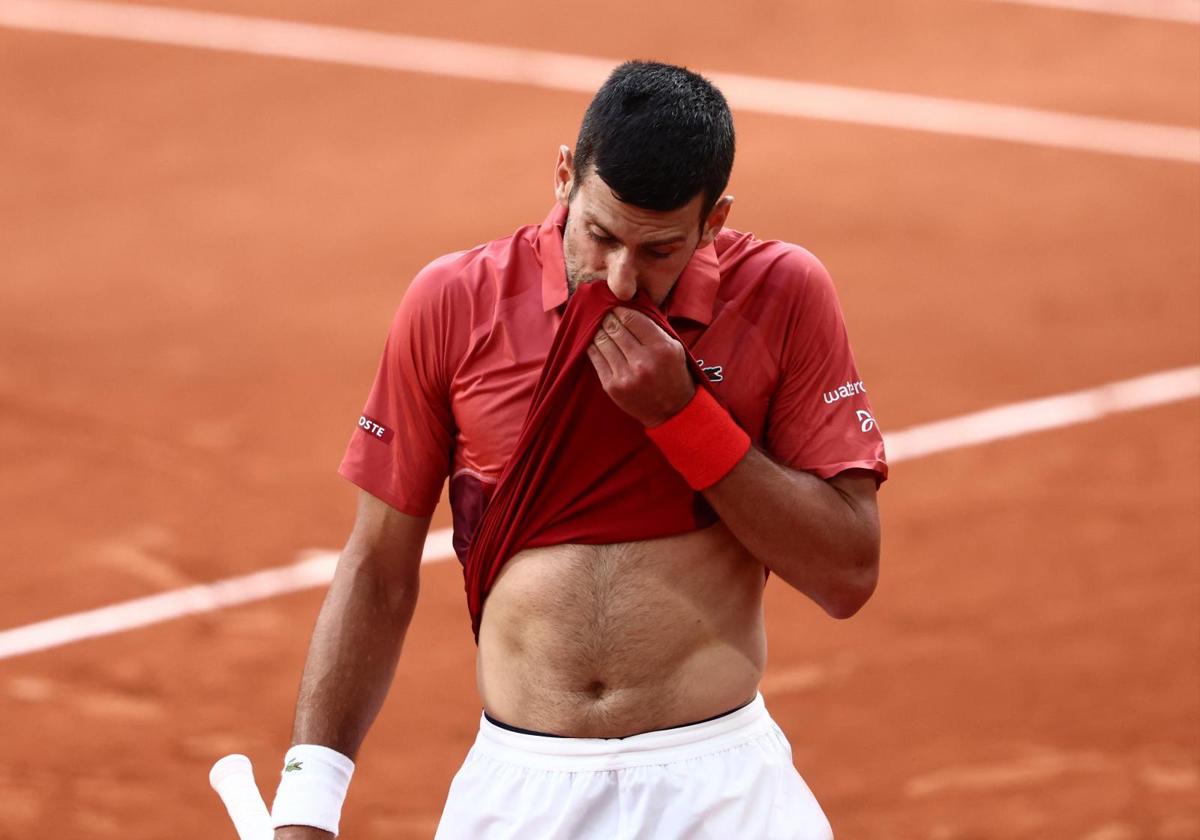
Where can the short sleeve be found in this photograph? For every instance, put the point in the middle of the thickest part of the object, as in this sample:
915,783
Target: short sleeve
820,419
401,450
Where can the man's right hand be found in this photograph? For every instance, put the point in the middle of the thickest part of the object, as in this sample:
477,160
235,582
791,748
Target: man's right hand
301,832
358,635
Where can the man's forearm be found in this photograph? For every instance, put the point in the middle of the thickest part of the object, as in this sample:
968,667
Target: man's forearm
811,533
353,654
355,646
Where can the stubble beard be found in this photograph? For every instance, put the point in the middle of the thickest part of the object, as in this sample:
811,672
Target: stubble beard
576,276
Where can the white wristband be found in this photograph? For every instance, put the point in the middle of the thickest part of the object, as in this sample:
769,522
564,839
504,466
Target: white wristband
312,787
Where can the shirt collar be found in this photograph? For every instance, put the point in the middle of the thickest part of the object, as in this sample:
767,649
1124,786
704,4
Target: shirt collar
550,253
695,292
693,295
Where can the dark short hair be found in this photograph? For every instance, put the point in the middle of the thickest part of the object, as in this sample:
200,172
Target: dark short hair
657,135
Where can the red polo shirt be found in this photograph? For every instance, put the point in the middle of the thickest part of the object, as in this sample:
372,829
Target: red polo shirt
473,330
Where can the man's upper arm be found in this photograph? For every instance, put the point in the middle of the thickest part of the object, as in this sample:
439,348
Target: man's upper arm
820,419
859,489
389,541
400,452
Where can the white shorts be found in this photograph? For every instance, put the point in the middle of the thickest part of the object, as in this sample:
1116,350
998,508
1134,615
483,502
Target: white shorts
726,778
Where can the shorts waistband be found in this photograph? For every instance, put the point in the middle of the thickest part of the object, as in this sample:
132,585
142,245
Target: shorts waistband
512,728
662,746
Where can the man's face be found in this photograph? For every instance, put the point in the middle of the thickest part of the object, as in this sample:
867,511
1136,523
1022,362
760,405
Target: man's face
607,240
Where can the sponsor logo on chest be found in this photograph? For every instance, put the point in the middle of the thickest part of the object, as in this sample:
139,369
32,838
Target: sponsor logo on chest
714,373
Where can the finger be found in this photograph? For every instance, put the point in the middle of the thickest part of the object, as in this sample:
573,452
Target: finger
622,337
603,369
640,326
608,349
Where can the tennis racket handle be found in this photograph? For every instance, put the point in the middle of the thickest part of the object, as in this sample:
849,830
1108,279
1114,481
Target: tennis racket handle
233,779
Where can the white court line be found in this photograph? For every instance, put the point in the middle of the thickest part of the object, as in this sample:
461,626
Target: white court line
560,71
315,568
1025,418
1176,11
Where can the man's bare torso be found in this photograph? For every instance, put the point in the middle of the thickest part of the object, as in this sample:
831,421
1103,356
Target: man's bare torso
607,641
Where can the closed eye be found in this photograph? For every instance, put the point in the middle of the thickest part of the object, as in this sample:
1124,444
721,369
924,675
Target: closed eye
606,240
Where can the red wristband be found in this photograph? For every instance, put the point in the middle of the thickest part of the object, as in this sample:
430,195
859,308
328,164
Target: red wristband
702,441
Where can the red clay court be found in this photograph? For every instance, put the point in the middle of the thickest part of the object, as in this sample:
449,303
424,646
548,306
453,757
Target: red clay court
206,224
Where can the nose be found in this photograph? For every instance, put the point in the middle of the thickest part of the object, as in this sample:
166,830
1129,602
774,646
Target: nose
622,279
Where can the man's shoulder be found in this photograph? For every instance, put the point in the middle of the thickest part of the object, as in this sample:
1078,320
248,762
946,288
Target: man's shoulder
481,267
770,265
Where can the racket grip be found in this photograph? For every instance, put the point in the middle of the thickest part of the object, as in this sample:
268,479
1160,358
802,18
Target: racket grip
233,779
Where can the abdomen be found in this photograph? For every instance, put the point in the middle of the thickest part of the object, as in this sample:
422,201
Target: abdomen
605,641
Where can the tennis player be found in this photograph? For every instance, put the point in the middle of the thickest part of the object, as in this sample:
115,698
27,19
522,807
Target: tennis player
621,644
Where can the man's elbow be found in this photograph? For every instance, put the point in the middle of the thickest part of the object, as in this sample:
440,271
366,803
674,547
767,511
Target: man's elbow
854,589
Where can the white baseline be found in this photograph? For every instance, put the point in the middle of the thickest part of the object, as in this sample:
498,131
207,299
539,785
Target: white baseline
315,568
1175,11
583,74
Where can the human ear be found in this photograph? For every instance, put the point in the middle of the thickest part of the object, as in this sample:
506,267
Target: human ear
715,221
564,175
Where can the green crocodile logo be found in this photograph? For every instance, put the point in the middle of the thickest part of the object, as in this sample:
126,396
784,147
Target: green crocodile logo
293,765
